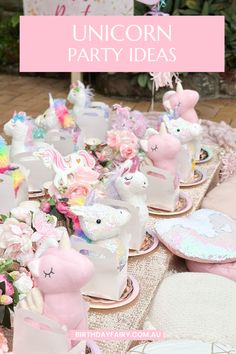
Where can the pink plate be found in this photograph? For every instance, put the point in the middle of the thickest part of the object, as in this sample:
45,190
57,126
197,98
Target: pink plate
186,204
102,304
199,178
150,243
206,155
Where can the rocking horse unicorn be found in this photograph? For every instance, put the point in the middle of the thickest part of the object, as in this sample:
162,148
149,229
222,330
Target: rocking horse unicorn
81,163
130,185
25,135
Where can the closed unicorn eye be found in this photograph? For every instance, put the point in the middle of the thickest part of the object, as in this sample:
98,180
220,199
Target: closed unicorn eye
154,148
128,179
48,274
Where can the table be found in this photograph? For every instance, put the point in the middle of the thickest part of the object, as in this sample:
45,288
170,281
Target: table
149,270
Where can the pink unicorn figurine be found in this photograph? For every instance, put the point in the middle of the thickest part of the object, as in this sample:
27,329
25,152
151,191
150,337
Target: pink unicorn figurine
60,273
162,149
183,102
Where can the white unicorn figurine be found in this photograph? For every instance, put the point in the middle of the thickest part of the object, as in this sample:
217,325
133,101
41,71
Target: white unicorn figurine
24,134
56,117
81,98
103,226
81,163
130,185
189,134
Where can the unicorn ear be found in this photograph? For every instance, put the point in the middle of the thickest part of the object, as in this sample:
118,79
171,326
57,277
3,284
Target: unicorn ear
65,241
144,145
80,84
48,243
167,105
163,130
34,267
179,88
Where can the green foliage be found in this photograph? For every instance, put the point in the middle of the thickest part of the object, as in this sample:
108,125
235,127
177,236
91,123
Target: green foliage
9,40
201,8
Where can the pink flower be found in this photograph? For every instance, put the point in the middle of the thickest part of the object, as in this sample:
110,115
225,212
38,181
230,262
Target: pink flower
3,344
127,151
45,207
113,139
129,138
9,289
15,240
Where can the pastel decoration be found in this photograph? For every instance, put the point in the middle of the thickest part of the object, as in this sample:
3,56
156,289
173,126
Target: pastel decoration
189,134
220,198
126,119
81,97
195,306
130,185
4,156
60,273
184,101
106,242
21,129
227,270
162,149
50,339
57,116
80,163
182,346
206,236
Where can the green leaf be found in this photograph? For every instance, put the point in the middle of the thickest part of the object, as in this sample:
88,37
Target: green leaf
142,80
205,9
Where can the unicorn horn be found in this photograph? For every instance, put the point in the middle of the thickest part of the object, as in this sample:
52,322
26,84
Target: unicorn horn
65,241
163,130
179,88
51,101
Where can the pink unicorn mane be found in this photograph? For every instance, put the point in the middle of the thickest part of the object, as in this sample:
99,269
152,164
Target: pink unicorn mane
88,159
29,136
56,158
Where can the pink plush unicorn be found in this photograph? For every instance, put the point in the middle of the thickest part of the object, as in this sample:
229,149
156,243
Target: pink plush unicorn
182,102
162,149
60,273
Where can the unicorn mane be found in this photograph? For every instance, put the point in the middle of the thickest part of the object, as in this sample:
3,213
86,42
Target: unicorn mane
56,157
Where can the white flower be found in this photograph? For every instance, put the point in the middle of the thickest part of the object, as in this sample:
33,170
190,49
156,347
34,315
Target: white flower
22,215
23,284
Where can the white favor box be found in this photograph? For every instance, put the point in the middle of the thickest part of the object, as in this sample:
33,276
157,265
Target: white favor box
62,142
49,339
93,125
38,172
161,192
8,199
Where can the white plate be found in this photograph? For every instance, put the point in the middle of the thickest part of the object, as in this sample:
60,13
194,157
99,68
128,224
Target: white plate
182,347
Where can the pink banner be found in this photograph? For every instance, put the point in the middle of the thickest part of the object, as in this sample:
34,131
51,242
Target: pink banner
122,44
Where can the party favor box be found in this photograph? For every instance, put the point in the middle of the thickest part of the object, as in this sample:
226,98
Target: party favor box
10,197
110,278
162,193
38,172
36,334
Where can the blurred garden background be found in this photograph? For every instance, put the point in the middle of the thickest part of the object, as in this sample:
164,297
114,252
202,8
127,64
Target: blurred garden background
28,92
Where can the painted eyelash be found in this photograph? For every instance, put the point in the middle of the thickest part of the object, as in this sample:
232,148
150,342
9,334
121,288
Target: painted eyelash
48,274
155,148
128,179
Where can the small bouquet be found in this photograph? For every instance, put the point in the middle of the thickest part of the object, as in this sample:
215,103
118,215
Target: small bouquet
15,283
